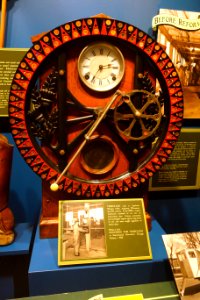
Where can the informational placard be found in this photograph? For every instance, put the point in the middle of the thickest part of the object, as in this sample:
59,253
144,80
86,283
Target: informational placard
126,297
97,231
182,170
9,61
123,297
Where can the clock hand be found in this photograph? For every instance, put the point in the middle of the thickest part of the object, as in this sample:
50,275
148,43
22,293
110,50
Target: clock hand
99,70
106,66
101,67
54,186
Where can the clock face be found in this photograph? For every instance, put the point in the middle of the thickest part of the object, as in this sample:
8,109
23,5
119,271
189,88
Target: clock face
101,66
96,107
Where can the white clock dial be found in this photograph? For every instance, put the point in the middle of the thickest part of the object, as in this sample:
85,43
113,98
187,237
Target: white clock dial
101,66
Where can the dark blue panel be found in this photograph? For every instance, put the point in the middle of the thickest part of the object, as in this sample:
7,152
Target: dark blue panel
22,242
44,269
14,263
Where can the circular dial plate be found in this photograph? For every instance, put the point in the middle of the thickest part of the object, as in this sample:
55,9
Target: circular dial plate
101,66
49,124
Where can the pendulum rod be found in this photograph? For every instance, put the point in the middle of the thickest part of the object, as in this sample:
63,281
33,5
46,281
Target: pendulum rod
54,186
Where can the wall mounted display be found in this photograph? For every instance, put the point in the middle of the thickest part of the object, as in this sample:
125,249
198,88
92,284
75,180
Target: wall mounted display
9,61
99,231
182,170
179,33
95,108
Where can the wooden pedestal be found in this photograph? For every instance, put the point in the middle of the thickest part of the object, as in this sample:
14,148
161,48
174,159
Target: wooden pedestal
49,215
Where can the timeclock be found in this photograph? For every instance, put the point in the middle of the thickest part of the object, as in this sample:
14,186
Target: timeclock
95,109
101,66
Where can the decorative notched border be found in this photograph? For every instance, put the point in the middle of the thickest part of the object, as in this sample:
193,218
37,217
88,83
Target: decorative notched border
40,51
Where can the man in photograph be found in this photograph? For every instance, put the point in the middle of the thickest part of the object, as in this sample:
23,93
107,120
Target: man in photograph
82,230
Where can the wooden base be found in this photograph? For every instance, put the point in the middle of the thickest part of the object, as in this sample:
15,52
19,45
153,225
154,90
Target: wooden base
48,227
49,215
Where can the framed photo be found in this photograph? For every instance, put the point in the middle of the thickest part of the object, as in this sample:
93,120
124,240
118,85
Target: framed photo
178,32
97,231
184,254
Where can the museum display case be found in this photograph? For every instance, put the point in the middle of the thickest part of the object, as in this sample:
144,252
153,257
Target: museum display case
90,85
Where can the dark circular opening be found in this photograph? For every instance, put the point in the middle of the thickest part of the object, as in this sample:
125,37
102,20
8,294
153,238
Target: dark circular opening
98,155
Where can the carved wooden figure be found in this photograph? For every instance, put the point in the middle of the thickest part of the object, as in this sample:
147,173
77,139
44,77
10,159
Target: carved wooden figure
6,215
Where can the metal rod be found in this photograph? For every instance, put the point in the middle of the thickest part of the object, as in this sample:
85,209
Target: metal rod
54,186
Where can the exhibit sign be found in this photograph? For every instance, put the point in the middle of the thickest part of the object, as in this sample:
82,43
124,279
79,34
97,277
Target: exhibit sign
123,297
100,231
9,61
182,170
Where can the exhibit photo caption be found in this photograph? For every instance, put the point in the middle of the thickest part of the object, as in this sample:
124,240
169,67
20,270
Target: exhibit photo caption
99,231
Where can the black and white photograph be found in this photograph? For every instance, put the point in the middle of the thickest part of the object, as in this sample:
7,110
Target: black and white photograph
183,47
183,250
82,231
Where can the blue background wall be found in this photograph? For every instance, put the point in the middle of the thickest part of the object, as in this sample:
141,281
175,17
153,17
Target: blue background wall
177,211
